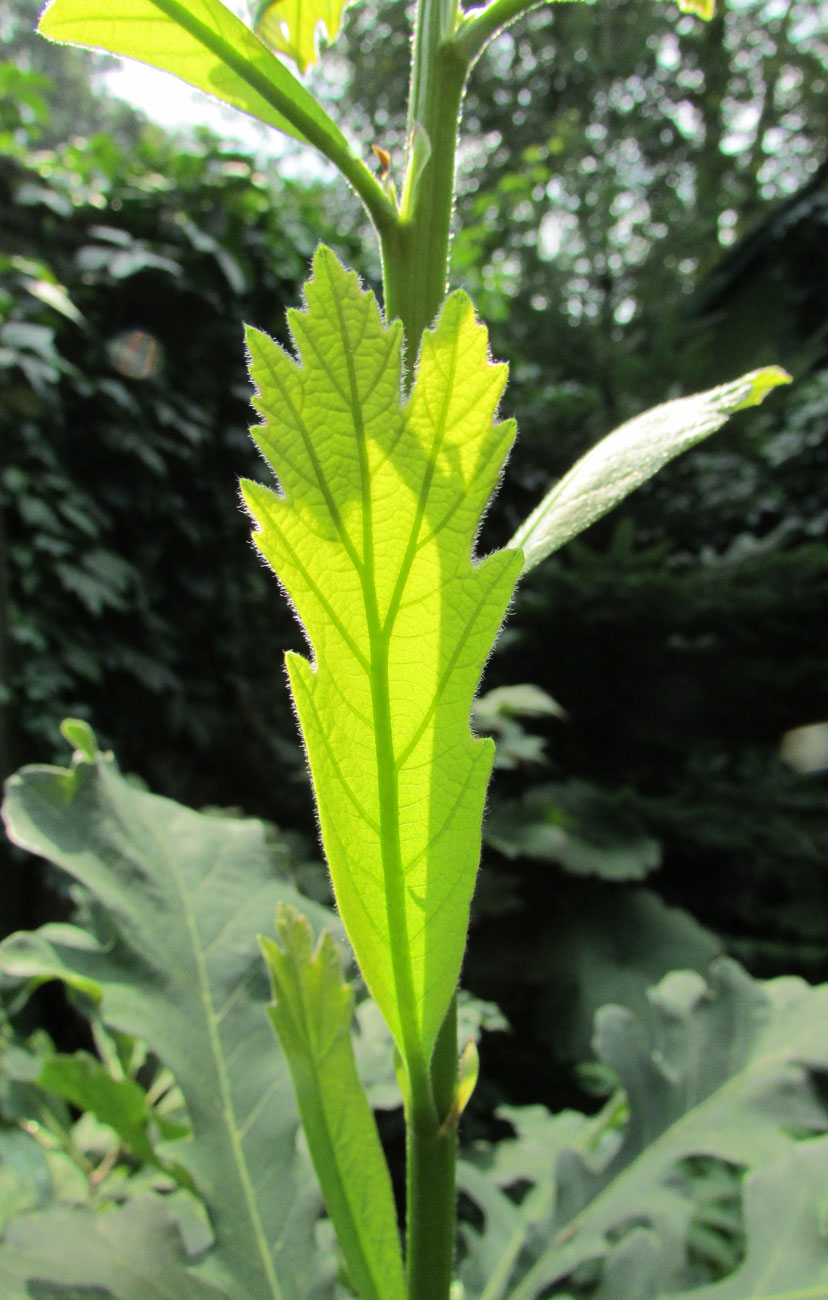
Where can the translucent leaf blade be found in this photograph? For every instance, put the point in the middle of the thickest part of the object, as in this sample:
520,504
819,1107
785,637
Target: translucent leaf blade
292,26
625,459
372,540
203,43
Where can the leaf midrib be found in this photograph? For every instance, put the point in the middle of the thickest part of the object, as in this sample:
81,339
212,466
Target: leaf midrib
387,776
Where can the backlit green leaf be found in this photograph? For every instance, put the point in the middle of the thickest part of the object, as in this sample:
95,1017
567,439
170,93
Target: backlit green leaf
312,1014
705,9
204,44
292,26
625,459
372,537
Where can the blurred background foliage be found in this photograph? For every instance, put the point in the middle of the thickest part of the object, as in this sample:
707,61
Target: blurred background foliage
644,211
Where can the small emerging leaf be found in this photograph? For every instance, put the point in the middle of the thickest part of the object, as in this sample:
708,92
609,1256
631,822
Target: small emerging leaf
292,26
312,1015
372,536
625,459
467,1075
81,737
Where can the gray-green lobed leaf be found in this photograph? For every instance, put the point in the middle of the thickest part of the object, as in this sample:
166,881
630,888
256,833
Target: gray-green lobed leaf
177,900
726,1070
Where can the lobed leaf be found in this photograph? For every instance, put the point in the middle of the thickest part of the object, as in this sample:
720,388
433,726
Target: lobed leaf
728,1070
372,537
312,1015
625,459
175,902
132,1252
787,1256
121,1104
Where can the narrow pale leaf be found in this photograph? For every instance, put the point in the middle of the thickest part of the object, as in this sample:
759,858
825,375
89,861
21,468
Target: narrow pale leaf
175,902
204,44
312,1015
625,459
372,537
292,26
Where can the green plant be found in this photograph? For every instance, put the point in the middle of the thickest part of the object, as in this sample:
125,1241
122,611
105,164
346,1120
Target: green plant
382,432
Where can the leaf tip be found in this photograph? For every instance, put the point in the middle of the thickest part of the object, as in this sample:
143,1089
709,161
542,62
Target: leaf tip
82,739
761,383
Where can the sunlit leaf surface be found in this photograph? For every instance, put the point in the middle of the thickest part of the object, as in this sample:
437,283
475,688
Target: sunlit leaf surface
372,537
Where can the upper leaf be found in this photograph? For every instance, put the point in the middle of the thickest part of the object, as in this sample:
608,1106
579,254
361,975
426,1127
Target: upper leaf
292,26
204,44
625,459
177,901
372,537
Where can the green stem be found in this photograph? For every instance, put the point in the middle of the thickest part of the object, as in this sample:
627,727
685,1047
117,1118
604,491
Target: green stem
415,249
430,1204
475,32
431,1177
415,257
330,143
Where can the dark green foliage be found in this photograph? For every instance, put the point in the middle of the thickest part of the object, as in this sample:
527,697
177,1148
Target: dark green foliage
126,277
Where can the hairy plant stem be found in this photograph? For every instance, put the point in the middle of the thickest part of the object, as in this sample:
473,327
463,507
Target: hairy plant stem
415,248
476,30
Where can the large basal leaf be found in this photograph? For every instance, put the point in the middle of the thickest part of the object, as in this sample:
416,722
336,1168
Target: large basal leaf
178,899
372,537
605,946
625,459
292,26
132,1253
203,43
312,1014
121,1104
726,1071
787,1256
